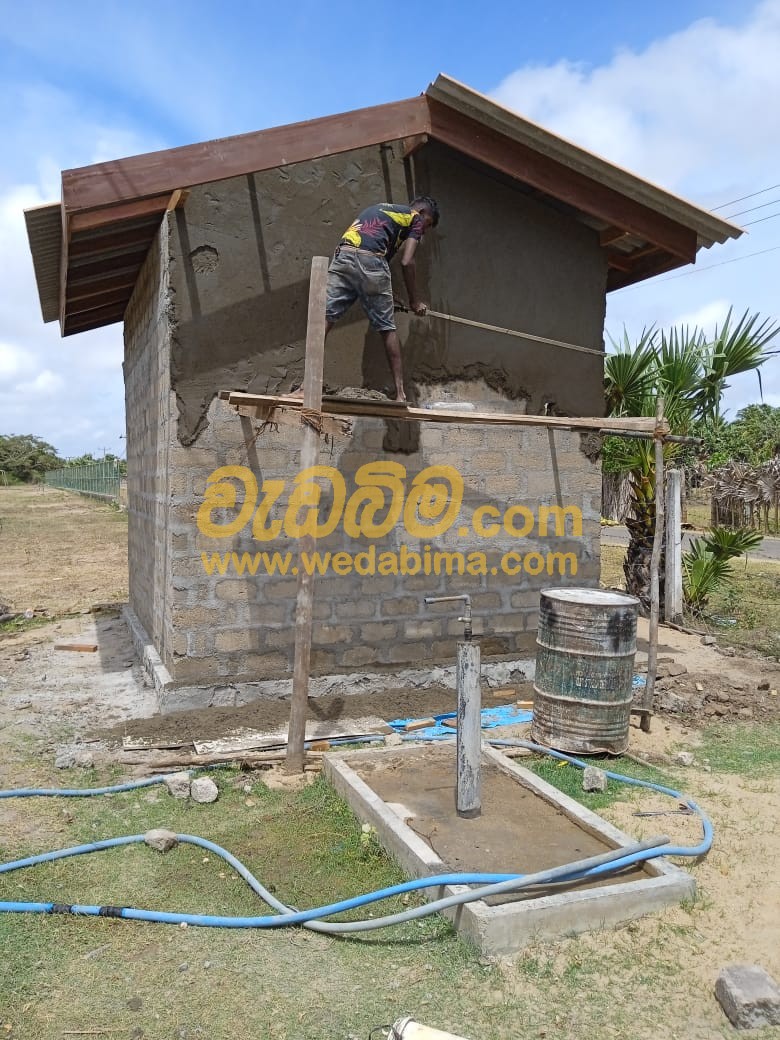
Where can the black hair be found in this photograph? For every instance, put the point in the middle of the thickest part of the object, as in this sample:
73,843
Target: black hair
431,205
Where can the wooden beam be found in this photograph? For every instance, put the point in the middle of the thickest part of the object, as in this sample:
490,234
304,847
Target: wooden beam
620,261
612,234
392,410
577,189
177,199
337,427
157,173
89,269
95,287
92,319
97,245
310,449
118,213
644,268
410,145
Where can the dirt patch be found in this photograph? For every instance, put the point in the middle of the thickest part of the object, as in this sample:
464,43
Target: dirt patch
515,831
61,552
212,723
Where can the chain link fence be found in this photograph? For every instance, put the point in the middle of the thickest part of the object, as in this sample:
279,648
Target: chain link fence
97,479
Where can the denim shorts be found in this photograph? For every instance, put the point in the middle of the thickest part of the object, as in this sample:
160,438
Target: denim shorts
359,275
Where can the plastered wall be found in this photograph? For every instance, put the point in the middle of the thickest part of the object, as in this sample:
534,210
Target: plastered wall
226,309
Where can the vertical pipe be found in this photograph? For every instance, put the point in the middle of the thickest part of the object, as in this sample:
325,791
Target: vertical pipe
673,592
655,560
469,738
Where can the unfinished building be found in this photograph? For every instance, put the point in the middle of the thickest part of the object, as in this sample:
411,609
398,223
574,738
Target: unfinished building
204,253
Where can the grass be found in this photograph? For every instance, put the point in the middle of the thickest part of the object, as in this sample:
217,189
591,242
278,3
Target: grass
752,601
749,751
62,973
568,778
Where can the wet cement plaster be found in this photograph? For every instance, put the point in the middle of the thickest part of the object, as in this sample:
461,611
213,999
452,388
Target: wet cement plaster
240,253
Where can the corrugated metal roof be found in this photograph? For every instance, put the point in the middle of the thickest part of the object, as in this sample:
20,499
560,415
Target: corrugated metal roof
709,228
44,231
113,210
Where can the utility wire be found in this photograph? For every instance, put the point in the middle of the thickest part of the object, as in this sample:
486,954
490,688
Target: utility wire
742,198
762,205
761,219
701,270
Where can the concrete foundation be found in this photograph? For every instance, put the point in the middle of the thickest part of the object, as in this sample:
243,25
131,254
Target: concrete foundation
507,928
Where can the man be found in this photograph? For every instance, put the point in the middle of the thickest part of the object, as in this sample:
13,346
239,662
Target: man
360,270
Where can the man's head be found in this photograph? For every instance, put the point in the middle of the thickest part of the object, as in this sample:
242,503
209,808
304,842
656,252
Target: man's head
428,209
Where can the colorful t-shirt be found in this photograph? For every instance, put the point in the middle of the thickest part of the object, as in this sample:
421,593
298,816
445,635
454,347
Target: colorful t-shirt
383,228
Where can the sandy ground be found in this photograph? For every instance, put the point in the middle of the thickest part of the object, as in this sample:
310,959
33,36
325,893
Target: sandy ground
48,696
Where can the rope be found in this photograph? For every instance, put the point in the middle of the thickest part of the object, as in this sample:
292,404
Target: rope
312,417
512,332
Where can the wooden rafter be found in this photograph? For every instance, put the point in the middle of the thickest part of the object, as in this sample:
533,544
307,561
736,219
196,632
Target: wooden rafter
523,163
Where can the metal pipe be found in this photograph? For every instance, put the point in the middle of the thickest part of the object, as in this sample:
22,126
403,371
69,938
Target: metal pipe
468,787
468,797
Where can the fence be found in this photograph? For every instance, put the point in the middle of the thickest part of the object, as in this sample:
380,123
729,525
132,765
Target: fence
98,479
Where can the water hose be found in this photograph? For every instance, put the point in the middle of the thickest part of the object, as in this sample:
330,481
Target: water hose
490,884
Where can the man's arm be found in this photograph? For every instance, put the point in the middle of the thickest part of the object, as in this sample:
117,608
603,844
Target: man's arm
410,276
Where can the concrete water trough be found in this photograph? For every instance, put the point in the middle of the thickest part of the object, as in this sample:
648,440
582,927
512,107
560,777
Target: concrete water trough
407,794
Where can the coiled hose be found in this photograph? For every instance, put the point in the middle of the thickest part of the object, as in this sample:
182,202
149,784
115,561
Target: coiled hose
489,884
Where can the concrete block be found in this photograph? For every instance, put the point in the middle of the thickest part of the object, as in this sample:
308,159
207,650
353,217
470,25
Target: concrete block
378,631
404,605
594,779
749,996
237,639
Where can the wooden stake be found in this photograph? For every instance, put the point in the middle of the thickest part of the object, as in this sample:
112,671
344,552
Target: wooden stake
655,562
673,593
310,448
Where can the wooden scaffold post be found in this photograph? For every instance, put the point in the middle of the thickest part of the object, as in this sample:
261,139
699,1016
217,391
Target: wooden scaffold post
655,563
311,416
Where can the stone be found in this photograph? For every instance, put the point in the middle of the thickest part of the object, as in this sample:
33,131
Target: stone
161,839
676,669
668,701
594,779
722,697
683,758
749,996
708,640
70,756
204,790
178,785
763,685
699,687
746,713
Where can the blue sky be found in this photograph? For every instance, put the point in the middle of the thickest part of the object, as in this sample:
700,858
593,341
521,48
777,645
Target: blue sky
685,94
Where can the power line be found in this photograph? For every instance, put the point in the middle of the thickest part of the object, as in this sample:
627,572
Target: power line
761,219
763,205
733,202
701,270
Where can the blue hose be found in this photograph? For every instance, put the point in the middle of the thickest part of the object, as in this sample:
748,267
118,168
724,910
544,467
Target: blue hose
287,916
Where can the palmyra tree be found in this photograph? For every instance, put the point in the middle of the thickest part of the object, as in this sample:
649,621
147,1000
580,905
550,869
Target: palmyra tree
690,371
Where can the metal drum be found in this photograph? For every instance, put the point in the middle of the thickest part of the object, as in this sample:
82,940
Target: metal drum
584,670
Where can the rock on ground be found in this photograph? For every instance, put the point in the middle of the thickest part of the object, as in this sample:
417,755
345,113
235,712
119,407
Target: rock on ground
749,996
594,779
178,785
161,839
683,758
204,790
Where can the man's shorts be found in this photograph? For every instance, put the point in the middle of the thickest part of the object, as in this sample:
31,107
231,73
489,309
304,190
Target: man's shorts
359,275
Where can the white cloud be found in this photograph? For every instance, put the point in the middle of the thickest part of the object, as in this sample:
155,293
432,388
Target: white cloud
695,112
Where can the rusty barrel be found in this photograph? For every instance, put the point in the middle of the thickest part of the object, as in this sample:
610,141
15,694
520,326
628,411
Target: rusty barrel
584,670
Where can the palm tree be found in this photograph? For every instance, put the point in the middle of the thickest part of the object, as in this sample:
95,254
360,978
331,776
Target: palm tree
690,371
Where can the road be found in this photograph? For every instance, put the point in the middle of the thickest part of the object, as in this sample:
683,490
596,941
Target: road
768,550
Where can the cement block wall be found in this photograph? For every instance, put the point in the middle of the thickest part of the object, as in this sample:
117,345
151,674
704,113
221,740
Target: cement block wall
227,310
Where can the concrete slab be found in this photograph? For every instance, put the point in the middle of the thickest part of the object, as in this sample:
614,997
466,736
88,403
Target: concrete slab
508,927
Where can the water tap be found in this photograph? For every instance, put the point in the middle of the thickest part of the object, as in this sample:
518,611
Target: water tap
466,616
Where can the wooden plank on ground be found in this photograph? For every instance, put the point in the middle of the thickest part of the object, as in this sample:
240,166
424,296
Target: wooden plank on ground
77,648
